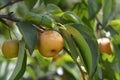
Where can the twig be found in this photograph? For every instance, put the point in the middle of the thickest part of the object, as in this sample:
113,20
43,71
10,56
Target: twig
82,72
7,25
10,3
4,22
39,28
9,16
99,24
79,66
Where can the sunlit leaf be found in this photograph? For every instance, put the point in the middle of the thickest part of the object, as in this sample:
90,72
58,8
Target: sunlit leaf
31,72
81,10
70,17
82,46
72,46
55,10
91,40
42,61
64,58
115,24
40,19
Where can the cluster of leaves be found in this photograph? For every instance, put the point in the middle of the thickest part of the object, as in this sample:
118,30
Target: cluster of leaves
80,22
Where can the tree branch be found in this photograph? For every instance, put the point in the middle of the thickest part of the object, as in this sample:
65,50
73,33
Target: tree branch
99,24
10,3
79,66
9,16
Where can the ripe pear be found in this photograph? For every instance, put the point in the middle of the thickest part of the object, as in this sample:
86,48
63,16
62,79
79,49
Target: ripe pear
50,43
104,45
10,48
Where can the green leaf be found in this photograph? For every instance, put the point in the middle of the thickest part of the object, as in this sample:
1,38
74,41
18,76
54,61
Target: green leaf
42,61
106,67
116,66
71,44
4,31
71,71
116,39
70,17
111,30
22,10
82,28
115,24
98,74
83,48
39,9
108,10
94,7
30,4
21,63
116,62
67,5
31,72
51,1
54,9
64,58
81,10
40,19
91,40
29,33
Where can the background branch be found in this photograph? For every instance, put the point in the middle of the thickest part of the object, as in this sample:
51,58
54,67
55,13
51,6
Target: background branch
10,3
9,16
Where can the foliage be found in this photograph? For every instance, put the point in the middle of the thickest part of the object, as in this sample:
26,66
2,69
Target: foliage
80,22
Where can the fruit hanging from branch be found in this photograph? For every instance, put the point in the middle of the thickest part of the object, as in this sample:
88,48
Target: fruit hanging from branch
50,43
105,45
10,48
